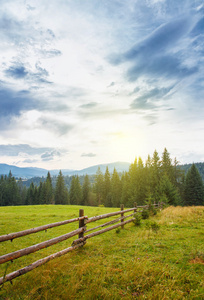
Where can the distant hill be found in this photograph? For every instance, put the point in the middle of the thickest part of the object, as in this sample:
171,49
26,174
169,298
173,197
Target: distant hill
119,166
22,172
27,173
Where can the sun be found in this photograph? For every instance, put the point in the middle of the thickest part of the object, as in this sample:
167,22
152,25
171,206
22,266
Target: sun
125,146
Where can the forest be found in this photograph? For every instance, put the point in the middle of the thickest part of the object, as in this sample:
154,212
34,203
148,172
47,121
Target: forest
155,180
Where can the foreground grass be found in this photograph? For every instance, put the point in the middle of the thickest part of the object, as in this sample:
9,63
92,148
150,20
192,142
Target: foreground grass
134,263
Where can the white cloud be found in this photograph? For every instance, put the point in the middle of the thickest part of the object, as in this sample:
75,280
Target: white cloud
59,90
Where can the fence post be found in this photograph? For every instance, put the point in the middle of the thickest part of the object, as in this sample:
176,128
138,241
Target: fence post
122,214
135,205
81,222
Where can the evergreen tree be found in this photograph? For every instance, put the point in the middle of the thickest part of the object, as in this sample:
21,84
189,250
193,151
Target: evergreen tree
86,188
61,192
155,177
166,165
107,189
125,196
78,190
2,191
137,183
178,179
9,191
72,196
75,193
194,190
141,183
169,192
133,183
99,186
30,196
42,193
22,192
116,189
49,195
148,177
12,191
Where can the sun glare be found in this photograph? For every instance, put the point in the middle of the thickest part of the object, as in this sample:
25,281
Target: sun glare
127,146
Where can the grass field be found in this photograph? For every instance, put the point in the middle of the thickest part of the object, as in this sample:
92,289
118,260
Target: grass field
145,262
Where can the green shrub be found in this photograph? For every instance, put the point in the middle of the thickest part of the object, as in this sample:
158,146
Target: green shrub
154,226
117,230
145,214
152,211
137,220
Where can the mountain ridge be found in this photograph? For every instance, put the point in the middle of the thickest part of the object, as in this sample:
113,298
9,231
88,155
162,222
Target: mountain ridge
29,172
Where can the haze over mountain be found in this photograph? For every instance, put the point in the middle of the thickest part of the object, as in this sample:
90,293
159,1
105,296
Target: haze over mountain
39,172
27,173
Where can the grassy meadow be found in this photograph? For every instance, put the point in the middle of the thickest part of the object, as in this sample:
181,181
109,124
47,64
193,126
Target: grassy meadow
163,258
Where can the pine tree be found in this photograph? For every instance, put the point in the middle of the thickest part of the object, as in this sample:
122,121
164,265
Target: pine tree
22,191
155,177
142,183
194,189
99,186
179,179
166,165
42,193
75,194
116,189
138,185
133,183
107,189
61,192
86,188
49,196
169,192
11,191
30,196
72,198
125,196
2,191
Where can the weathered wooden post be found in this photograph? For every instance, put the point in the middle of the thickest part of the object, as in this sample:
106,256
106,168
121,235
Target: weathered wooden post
81,223
122,214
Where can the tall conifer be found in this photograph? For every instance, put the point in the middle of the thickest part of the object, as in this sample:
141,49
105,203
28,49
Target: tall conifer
194,190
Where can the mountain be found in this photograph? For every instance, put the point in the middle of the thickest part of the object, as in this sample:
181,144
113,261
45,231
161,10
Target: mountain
22,172
31,172
27,173
120,167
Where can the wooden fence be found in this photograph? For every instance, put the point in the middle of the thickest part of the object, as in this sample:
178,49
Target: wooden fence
81,231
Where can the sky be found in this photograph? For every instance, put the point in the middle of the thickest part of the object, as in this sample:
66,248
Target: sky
91,82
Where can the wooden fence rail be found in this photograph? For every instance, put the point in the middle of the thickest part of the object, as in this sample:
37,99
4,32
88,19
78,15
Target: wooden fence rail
15,235
81,231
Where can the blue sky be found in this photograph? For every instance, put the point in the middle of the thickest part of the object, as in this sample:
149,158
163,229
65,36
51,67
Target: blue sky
90,82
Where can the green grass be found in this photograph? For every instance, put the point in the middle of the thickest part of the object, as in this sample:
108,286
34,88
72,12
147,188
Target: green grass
138,262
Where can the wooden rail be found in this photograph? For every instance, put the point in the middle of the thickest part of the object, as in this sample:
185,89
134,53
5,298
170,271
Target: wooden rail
81,231
15,235
37,247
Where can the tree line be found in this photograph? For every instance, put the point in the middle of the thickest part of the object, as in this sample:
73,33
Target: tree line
158,179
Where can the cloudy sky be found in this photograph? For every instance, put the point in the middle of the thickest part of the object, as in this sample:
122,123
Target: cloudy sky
89,82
